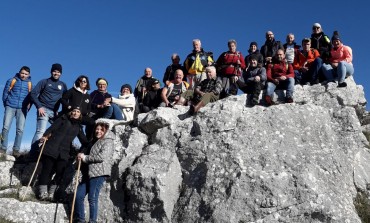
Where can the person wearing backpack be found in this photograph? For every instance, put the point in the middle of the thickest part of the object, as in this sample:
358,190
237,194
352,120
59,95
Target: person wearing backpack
196,63
230,65
16,101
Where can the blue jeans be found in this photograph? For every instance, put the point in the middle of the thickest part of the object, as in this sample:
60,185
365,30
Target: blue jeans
91,188
20,117
287,84
343,70
41,124
114,112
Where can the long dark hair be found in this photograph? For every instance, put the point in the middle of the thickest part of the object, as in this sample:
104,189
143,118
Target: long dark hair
77,81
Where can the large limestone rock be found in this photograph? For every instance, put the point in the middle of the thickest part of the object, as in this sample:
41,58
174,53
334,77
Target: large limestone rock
300,162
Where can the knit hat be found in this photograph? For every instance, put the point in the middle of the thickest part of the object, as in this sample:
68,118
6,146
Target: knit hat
101,80
126,86
253,43
75,107
335,36
316,25
57,67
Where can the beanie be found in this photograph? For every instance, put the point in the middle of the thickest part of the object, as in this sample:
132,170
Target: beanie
253,43
335,36
101,80
75,107
57,67
126,86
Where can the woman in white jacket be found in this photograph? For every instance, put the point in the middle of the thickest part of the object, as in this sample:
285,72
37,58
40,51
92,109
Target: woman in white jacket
123,106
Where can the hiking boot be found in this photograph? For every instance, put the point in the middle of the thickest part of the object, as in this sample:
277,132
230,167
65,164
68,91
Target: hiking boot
52,189
2,152
191,110
16,154
343,84
268,100
289,100
43,193
43,196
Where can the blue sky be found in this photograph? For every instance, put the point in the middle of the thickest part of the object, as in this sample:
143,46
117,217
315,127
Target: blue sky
119,39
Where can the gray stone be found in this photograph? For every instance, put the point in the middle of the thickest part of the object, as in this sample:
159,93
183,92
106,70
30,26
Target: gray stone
298,162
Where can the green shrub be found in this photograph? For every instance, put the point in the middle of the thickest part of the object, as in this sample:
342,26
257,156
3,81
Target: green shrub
362,205
3,220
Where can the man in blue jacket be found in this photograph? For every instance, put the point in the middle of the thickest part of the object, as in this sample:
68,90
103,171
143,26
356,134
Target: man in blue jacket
16,103
46,96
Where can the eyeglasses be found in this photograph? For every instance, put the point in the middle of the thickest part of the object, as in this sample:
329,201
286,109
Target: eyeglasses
83,81
315,27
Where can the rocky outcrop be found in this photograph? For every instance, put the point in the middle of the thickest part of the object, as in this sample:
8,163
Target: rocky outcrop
300,162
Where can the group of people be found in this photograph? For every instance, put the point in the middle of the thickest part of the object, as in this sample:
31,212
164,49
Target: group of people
198,81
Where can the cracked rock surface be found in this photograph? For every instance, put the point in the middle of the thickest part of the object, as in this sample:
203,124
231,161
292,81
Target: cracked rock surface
299,162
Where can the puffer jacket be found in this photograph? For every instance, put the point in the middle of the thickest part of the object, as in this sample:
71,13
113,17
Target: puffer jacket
100,158
18,96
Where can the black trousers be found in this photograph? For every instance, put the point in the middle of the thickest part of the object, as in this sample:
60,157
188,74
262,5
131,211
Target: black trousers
49,167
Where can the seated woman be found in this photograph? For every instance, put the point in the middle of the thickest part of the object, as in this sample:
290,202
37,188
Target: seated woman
340,66
97,165
123,107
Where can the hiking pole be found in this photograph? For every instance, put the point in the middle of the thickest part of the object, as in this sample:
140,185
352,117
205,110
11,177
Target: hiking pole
34,171
75,190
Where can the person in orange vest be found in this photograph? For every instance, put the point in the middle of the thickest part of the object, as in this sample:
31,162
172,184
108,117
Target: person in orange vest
17,103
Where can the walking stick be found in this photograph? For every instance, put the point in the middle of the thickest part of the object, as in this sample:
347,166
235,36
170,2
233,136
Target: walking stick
75,190
34,171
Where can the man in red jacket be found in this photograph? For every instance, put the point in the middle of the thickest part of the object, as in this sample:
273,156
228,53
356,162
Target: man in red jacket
280,74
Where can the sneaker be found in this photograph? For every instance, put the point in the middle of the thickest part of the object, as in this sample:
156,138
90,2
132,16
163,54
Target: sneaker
43,196
16,153
268,100
289,100
2,151
343,84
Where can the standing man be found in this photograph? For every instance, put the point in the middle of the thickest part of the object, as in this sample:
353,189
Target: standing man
46,96
230,65
270,48
195,64
169,74
17,103
321,42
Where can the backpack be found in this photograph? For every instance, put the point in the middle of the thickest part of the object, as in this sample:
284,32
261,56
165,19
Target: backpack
12,83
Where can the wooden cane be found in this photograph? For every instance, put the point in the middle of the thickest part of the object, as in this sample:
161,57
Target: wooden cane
34,171
75,190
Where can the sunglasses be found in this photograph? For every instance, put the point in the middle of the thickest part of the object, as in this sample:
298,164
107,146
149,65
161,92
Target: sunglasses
315,27
83,81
